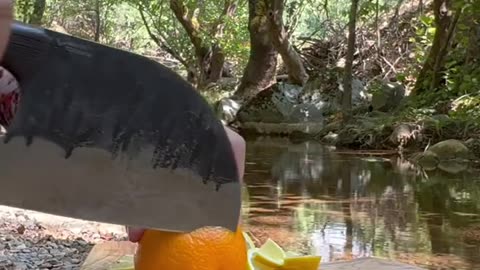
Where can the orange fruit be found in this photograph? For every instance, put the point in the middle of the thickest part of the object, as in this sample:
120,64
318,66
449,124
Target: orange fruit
208,248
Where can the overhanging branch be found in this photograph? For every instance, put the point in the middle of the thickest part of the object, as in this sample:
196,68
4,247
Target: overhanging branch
162,44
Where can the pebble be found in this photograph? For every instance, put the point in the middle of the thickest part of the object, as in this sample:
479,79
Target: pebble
25,244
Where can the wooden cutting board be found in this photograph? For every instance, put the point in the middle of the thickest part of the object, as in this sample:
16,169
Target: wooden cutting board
106,254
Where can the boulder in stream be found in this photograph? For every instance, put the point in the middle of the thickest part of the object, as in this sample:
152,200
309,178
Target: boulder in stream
451,156
279,110
226,109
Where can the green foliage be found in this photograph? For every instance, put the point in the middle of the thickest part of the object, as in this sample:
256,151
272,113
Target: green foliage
23,10
121,25
468,107
425,31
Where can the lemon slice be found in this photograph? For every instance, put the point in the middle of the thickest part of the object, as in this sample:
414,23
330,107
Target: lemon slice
248,240
291,254
301,263
250,254
270,254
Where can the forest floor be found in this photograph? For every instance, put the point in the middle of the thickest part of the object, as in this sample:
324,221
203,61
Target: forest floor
34,240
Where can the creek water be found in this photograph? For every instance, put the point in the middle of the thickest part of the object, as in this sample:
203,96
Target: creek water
313,199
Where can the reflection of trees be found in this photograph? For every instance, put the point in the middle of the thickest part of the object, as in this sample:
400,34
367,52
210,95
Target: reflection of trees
346,207
451,198
380,207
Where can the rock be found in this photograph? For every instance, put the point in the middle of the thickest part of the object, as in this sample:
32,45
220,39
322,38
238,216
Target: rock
46,265
272,105
21,246
307,113
21,229
451,150
359,95
281,103
226,109
21,266
331,138
388,97
49,244
428,160
451,156
269,106
473,146
404,134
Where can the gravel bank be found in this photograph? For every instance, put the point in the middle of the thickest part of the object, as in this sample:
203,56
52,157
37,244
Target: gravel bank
33,240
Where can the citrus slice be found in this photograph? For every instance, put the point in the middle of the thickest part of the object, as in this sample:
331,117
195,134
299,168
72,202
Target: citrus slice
252,264
301,263
270,254
250,254
248,240
291,254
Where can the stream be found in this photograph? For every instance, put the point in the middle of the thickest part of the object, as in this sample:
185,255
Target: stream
312,199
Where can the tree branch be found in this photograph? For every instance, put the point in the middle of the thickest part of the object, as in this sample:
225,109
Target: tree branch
229,9
189,24
296,71
161,43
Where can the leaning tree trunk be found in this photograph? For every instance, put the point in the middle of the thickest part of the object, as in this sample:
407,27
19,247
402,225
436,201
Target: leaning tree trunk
262,63
38,12
217,62
429,76
296,71
202,52
347,79
210,57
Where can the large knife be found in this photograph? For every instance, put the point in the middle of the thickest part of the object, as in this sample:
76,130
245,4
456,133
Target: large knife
106,135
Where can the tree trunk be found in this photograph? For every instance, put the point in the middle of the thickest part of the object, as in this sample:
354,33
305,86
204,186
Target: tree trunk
98,21
38,12
216,64
262,63
439,64
191,26
210,57
428,77
347,79
293,63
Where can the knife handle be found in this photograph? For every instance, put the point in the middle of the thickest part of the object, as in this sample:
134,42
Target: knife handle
26,50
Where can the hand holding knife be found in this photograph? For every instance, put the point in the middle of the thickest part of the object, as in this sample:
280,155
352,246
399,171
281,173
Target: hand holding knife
107,135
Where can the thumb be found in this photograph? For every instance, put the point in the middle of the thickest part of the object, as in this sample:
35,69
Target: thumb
6,17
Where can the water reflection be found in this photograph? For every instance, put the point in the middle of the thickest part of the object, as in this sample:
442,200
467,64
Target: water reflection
311,199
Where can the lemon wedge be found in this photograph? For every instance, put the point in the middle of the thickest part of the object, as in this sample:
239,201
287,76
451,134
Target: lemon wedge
249,241
301,263
270,254
291,254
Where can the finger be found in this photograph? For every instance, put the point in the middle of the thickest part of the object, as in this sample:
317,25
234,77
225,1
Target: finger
6,17
135,234
239,148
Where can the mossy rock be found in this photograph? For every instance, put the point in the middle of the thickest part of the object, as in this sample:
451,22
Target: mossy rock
451,150
451,156
428,160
